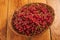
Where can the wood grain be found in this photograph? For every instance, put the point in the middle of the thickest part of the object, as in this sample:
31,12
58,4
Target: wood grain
3,18
3,13
14,5
55,28
11,5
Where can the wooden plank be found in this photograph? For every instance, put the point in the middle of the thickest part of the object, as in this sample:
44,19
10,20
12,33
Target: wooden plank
3,18
55,28
15,4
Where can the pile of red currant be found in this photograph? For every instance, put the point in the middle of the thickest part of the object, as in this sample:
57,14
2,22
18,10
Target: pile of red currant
32,19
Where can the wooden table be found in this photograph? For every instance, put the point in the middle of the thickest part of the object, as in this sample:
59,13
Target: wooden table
7,7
